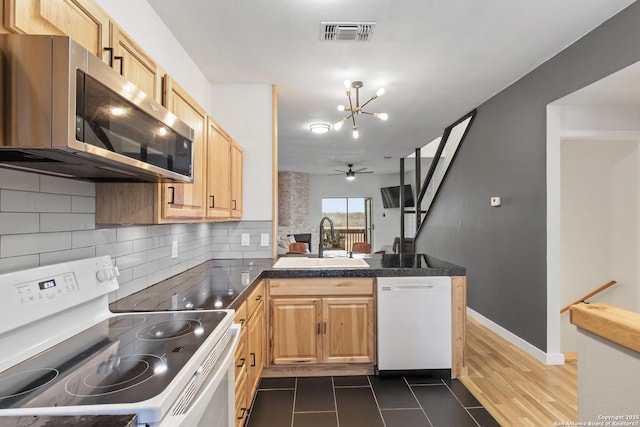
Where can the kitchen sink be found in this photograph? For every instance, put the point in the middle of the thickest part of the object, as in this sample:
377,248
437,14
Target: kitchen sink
305,262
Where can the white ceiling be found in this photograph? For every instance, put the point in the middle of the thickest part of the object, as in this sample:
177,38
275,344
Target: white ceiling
437,59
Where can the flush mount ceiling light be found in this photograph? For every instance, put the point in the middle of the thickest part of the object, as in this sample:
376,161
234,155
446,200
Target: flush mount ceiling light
319,128
357,109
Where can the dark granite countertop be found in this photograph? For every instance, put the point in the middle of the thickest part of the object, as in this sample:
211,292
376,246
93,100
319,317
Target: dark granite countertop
225,283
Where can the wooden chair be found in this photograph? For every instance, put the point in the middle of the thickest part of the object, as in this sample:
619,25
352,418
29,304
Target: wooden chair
361,248
297,248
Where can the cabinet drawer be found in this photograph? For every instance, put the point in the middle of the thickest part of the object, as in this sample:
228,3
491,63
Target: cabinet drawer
242,401
255,298
322,286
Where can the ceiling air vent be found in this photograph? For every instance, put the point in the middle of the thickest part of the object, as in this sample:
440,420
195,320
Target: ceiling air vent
354,31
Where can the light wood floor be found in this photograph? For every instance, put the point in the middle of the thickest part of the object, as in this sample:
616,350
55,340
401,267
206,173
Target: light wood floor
514,387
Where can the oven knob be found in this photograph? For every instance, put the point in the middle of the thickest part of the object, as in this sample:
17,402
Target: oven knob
107,273
102,275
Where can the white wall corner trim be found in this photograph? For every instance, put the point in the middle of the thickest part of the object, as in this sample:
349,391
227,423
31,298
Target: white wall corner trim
546,358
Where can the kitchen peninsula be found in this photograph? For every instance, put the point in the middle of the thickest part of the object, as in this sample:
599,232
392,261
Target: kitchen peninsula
302,321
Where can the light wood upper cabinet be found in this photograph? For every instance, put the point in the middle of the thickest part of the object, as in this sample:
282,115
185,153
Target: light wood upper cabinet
218,172
135,64
82,20
181,200
236,180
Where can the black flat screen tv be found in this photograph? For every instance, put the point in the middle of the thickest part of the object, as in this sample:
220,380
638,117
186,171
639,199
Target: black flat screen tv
391,196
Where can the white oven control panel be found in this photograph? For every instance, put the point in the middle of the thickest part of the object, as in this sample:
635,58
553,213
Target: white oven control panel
45,289
30,295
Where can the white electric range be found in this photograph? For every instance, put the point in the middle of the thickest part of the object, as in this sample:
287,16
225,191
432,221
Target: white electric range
64,352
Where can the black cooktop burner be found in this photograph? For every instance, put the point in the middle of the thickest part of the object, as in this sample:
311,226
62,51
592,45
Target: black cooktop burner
124,359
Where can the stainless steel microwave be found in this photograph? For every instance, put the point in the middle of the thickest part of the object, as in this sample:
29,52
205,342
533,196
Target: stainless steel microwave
66,113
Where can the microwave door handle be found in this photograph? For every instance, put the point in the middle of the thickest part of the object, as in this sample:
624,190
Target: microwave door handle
110,50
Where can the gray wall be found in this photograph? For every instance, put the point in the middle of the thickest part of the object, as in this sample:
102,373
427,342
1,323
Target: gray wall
504,249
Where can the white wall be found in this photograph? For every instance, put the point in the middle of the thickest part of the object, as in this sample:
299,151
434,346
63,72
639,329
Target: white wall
603,233
245,111
599,224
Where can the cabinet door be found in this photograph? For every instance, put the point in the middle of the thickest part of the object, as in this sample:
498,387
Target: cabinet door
242,400
295,330
136,65
3,29
348,330
256,348
82,20
236,180
218,172
186,200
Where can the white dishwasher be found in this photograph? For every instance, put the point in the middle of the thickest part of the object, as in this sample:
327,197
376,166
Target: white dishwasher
414,323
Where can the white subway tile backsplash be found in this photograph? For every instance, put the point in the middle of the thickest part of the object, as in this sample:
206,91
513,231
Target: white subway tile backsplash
115,249
132,260
159,230
146,244
8,265
16,180
51,184
66,222
18,223
26,244
93,237
68,255
132,233
30,201
80,204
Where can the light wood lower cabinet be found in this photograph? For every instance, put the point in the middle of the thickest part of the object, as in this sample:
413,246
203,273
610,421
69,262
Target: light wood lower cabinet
250,352
335,325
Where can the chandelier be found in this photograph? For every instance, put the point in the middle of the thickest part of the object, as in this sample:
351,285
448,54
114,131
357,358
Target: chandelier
357,109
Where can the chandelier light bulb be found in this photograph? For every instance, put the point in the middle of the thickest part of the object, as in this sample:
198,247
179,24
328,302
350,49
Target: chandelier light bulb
356,134
341,107
380,92
347,84
381,116
338,125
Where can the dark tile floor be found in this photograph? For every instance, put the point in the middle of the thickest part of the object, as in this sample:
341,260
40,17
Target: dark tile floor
366,401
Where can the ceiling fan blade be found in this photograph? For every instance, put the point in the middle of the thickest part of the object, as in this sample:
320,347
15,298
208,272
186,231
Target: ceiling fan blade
359,170
365,172
340,171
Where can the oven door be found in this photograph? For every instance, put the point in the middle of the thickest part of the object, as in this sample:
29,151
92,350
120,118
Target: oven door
214,404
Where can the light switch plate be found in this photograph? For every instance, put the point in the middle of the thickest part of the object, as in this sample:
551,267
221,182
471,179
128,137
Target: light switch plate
264,239
496,201
245,239
174,249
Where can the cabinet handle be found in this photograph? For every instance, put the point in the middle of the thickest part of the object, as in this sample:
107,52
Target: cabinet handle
253,356
318,328
234,205
241,322
110,50
173,195
241,363
212,200
244,411
325,327
259,297
121,59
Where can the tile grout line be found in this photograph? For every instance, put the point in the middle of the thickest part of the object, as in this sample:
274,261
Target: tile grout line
463,407
417,400
335,401
375,398
293,407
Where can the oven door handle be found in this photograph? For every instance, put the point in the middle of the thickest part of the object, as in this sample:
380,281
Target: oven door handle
226,365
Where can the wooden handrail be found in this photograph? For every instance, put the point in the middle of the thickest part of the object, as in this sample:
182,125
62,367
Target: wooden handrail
589,295
610,322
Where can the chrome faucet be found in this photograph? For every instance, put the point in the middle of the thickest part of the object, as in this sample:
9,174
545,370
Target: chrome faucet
333,234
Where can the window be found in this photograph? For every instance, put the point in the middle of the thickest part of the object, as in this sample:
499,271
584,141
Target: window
351,219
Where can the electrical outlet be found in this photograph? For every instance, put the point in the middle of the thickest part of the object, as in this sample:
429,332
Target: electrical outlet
496,201
245,239
264,239
174,249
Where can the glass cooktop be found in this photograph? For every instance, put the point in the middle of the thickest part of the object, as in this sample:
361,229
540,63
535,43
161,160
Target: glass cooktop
126,358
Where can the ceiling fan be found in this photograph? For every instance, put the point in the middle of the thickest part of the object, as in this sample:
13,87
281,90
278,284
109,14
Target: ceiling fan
351,174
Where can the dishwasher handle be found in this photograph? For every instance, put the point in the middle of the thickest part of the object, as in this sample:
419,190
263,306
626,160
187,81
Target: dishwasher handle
409,288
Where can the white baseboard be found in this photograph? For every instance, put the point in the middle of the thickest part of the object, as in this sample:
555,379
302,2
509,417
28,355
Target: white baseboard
546,358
